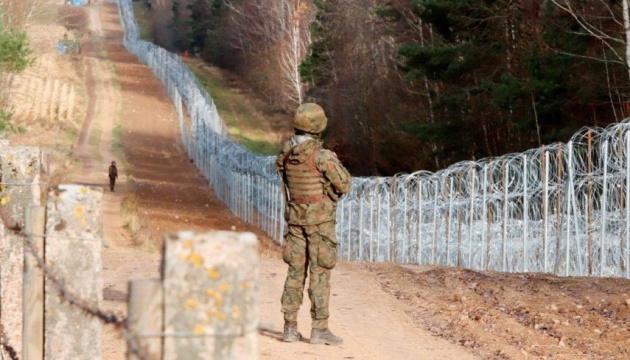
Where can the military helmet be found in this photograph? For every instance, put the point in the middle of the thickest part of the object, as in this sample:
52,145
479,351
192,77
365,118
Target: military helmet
310,118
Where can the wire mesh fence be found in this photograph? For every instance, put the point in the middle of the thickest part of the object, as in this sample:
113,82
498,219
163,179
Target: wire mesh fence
559,208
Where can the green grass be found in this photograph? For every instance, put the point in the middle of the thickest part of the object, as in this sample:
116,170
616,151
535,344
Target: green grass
66,138
94,139
46,14
141,14
259,147
117,147
245,122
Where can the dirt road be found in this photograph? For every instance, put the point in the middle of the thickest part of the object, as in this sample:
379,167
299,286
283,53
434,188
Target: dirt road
173,196
383,311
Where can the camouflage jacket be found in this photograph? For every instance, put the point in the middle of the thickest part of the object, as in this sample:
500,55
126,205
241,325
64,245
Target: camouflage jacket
113,172
336,178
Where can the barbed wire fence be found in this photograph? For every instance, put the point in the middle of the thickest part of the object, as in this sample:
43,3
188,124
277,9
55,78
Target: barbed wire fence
70,298
559,208
6,347
105,317
69,228
20,189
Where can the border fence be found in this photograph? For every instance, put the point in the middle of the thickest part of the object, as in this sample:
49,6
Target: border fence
204,305
560,209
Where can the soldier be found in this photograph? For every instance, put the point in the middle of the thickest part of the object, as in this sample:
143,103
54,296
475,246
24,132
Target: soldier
113,175
313,180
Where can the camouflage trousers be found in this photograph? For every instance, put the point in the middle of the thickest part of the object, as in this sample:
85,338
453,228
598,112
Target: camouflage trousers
311,248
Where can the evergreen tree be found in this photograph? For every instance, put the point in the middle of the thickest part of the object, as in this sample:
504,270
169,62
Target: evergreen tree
508,76
317,67
15,56
15,53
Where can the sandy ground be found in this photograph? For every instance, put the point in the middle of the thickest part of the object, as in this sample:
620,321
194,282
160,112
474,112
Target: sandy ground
383,311
173,196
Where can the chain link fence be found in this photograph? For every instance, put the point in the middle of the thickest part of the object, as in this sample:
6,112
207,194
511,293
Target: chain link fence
560,208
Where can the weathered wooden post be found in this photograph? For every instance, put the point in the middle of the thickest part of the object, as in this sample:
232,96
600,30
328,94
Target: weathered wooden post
73,252
145,308
210,300
33,307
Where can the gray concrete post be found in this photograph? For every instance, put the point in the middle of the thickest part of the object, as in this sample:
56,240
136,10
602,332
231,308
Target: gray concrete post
210,299
73,251
11,285
19,188
20,168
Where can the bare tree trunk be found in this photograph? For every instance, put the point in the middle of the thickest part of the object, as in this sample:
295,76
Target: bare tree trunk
17,14
279,29
536,119
610,95
611,42
292,56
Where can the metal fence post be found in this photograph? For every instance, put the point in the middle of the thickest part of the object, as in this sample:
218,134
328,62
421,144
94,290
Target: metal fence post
435,208
484,216
505,216
603,210
471,216
448,224
568,209
419,250
525,213
546,212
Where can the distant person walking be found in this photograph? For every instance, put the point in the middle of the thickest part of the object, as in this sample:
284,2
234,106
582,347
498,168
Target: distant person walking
113,175
314,180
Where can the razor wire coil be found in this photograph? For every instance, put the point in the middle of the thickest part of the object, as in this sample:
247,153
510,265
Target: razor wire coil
561,208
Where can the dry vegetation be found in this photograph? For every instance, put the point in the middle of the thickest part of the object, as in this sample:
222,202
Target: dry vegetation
516,316
47,99
251,121
137,226
497,316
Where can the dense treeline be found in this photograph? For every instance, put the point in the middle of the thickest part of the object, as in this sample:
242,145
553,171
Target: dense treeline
421,84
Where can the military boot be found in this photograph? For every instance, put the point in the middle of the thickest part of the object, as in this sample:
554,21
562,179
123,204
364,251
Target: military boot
324,336
291,333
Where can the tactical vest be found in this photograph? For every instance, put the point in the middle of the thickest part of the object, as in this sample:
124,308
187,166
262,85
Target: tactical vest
305,182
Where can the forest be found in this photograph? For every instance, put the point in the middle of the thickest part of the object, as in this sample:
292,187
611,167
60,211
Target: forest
421,84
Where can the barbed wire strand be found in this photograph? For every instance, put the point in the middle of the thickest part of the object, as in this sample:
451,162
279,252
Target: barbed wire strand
107,318
6,346
201,335
560,208
63,237
23,184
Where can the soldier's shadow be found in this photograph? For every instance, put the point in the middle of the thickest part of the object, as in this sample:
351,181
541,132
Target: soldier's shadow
277,335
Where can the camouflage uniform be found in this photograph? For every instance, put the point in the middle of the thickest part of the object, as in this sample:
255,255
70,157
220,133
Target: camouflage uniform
315,179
